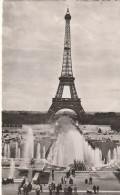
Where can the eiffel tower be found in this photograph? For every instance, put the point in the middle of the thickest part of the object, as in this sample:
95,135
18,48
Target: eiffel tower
67,79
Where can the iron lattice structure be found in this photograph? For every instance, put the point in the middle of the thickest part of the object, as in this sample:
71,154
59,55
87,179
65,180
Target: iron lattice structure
67,79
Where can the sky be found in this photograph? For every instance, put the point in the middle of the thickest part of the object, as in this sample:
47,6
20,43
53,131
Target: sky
33,42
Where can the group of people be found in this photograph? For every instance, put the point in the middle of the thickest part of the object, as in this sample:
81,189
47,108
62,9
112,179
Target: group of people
67,179
64,180
88,181
79,166
67,189
70,172
66,184
96,189
25,186
39,189
7,181
55,188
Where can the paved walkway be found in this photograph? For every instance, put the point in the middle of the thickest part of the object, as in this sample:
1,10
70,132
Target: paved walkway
107,181
46,192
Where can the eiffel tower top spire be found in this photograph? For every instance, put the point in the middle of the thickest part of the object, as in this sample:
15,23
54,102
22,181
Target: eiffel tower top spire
67,62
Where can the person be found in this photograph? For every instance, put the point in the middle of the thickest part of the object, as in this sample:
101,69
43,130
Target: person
25,188
68,174
57,189
38,191
49,186
41,188
23,182
65,190
50,190
86,181
29,186
90,180
70,190
70,181
97,188
62,181
73,171
60,186
52,174
75,190
53,186
65,179
32,162
94,189
19,189
89,191
52,170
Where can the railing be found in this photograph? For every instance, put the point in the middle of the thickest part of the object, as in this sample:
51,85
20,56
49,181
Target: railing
66,100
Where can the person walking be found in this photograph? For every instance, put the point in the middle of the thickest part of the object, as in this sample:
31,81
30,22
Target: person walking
74,172
25,188
52,174
71,181
94,189
65,190
19,189
62,180
60,186
65,179
97,188
41,188
57,189
29,186
38,191
75,190
90,180
23,182
86,181
50,190
70,190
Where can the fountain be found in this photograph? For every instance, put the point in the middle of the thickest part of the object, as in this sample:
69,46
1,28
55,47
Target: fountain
29,144
44,152
118,152
7,150
69,146
108,156
16,150
97,158
115,154
38,156
12,168
18,153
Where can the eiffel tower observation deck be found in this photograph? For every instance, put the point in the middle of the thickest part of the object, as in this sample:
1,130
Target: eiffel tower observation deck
67,79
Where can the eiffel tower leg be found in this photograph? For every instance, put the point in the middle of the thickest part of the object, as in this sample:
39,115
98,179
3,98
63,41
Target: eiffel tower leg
52,110
80,112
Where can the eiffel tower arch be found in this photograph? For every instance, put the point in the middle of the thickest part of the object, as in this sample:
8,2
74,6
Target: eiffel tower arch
67,79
